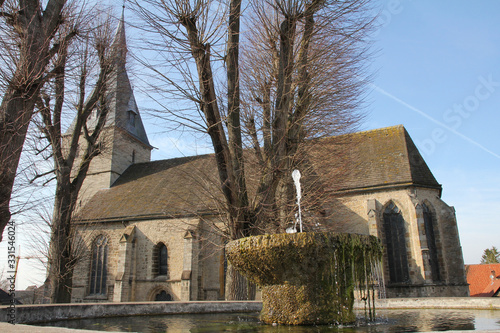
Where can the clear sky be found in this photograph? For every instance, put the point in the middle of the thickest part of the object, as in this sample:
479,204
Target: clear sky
438,74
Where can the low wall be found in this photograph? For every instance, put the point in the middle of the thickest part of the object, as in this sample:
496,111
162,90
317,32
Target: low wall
477,303
29,314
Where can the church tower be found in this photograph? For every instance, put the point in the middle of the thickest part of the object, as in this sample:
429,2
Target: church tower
124,140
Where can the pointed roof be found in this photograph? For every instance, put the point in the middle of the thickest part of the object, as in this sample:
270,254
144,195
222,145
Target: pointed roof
123,111
382,158
187,186
119,44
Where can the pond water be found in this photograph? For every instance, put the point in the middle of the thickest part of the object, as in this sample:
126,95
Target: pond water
387,321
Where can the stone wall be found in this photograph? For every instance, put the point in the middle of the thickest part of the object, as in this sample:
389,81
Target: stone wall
30,314
193,261
196,266
362,212
126,151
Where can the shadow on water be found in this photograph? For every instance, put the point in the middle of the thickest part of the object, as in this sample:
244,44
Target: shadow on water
387,321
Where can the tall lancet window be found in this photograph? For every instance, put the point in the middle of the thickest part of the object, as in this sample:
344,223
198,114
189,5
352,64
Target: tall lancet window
163,260
429,224
160,260
394,229
99,266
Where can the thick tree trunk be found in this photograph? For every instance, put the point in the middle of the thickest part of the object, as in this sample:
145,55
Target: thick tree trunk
61,255
242,218
278,156
16,111
228,151
36,30
61,261
238,288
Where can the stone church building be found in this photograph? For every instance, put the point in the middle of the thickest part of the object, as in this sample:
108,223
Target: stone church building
152,230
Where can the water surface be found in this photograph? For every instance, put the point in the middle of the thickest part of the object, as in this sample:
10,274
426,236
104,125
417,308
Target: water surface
424,320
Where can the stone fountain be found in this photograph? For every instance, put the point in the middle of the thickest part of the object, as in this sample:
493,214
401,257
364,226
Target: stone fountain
308,278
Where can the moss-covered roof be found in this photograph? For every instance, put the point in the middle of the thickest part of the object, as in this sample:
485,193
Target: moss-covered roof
384,157
187,186
174,187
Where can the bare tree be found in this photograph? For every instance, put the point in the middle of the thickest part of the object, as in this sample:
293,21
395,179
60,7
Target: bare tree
300,65
85,64
301,69
27,45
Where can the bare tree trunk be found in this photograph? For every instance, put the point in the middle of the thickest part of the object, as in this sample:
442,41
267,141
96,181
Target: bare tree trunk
238,288
15,118
242,218
273,175
36,30
61,261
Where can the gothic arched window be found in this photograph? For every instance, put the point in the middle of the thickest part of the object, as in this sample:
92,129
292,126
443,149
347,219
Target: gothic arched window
99,266
429,224
160,260
394,229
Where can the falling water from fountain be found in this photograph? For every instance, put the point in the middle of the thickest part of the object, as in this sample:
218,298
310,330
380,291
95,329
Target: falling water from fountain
298,217
296,181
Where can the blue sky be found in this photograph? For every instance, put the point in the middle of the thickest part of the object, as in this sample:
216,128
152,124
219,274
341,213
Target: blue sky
438,74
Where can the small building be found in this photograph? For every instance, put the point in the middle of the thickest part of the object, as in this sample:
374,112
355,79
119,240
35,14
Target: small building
31,295
153,230
483,280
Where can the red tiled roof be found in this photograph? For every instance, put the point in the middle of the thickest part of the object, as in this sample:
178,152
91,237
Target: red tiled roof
491,289
480,281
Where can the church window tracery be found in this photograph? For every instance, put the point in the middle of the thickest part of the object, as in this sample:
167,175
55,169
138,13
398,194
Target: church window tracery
163,296
429,223
394,229
99,266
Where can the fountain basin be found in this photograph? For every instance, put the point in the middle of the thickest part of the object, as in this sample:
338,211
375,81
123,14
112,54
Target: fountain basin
307,278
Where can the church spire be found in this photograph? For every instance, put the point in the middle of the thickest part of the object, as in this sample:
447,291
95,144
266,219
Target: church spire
124,112
119,45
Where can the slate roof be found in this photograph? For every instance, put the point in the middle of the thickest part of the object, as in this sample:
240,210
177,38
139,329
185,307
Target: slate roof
481,283
377,159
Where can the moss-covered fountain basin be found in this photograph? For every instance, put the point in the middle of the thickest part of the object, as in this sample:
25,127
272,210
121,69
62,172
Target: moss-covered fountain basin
307,278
